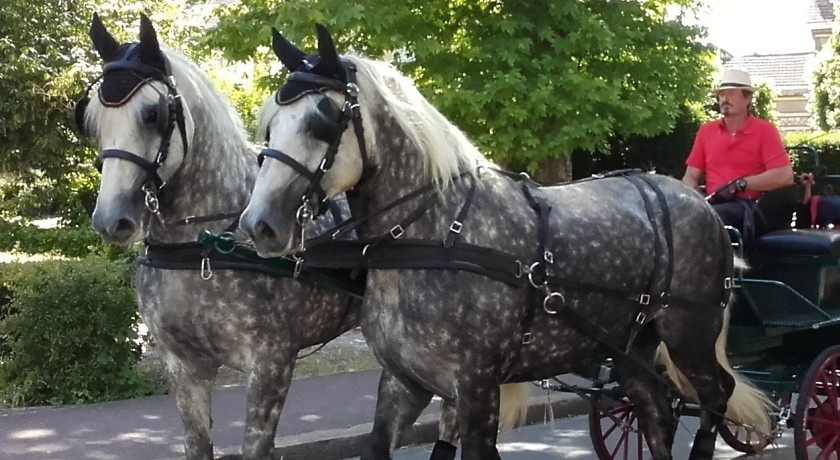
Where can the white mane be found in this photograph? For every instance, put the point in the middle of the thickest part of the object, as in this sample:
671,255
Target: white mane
445,149
196,90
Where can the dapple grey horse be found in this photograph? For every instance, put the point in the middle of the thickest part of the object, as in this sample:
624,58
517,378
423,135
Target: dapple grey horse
521,282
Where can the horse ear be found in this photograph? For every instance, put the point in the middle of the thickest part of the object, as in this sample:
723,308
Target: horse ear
149,50
103,41
326,48
289,54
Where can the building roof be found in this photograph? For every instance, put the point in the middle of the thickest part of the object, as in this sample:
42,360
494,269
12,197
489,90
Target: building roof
784,73
820,12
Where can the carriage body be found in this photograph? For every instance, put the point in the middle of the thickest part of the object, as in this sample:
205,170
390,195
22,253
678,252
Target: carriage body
784,336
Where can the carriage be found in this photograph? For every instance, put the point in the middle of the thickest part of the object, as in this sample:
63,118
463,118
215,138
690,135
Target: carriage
784,336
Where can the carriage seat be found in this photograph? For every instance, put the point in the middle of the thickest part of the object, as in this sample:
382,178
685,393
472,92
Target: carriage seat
800,242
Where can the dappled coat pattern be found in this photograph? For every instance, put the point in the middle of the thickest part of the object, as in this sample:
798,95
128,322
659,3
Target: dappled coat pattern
245,320
459,334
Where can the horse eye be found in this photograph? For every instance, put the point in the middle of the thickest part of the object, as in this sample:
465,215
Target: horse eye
150,116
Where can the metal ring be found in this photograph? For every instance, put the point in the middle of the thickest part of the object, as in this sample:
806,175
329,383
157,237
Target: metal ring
229,242
548,298
531,275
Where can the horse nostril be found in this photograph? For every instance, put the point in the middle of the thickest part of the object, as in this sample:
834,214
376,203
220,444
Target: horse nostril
124,227
263,230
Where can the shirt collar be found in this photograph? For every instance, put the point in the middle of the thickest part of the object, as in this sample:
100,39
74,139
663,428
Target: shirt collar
745,128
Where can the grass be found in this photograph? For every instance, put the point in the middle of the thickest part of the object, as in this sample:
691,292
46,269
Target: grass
347,353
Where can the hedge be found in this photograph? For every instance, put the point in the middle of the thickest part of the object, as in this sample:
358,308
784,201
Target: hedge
68,333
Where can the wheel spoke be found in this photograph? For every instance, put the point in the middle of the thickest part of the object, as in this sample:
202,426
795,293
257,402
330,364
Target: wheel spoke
625,432
830,449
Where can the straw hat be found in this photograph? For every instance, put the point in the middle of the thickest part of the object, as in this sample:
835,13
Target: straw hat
736,79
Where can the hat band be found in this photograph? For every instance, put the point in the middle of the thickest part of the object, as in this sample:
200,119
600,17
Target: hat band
735,85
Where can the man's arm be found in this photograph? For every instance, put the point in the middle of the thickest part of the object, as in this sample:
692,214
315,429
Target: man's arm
771,179
692,176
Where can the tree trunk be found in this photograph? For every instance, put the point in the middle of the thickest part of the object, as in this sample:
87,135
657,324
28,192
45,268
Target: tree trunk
552,170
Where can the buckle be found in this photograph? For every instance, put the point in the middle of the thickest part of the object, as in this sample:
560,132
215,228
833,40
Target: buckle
526,338
456,227
727,283
641,317
548,257
352,89
644,299
396,232
298,267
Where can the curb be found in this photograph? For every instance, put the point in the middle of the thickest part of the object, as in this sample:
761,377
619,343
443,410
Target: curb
346,443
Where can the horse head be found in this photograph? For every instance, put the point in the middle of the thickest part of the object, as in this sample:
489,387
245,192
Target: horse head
311,152
141,127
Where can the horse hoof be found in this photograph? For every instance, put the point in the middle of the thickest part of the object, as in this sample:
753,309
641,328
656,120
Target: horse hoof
443,451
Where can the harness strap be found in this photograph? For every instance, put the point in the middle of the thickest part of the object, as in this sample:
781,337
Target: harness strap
189,256
354,222
208,218
455,227
414,253
294,164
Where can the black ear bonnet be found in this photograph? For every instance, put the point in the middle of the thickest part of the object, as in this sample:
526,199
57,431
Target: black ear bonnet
121,78
311,75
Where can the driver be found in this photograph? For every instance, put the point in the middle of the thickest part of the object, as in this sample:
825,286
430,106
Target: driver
740,156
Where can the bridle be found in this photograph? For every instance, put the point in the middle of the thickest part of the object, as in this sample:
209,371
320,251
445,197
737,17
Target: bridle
170,115
314,201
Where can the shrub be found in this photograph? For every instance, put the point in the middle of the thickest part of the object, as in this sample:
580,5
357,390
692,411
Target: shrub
68,241
827,146
68,333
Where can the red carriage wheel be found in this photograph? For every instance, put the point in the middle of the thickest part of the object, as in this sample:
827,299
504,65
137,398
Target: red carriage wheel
614,430
742,439
817,418
745,440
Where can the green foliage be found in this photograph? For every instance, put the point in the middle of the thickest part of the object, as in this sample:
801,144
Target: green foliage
825,101
68,333
664,153
826,145
47,61
764,102
67,241
526,81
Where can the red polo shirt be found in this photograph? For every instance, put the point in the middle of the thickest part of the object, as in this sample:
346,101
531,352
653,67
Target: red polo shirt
753,149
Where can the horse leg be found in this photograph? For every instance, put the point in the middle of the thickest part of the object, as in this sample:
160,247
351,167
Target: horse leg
649,396
398,404
696,358
192,395
478,418
713,393
268,385
447,432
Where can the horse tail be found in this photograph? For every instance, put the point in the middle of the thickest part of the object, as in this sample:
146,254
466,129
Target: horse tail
748,405
740,263
513,405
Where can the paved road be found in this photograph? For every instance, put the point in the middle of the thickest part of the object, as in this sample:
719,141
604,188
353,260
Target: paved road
324,418
150,428
569,439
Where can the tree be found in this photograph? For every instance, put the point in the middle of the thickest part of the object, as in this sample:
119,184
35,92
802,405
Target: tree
47,61
826,94
529,82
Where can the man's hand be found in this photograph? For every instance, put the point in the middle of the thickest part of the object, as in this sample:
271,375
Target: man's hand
724,193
